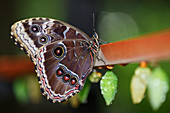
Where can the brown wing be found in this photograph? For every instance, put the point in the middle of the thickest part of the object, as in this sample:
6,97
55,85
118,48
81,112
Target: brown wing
31,34
62,68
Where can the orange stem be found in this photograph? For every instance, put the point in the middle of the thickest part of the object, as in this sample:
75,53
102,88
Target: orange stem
152,47
14,66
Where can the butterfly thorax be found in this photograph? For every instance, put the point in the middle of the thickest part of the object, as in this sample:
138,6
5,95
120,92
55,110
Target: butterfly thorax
95,46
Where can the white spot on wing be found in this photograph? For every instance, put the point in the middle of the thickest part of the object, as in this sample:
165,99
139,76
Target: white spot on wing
38,34
64,33
74,48
77,32
30,23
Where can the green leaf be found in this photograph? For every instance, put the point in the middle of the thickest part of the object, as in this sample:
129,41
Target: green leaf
83,94
20,90
157,87
139,84
108,86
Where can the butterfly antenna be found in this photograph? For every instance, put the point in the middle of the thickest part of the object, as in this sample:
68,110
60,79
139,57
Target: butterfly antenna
102,41
94,23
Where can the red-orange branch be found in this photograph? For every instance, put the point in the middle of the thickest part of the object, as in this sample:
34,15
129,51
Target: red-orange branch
14,66
152,47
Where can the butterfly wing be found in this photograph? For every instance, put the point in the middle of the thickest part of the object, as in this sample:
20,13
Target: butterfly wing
62,67
31,34
63,54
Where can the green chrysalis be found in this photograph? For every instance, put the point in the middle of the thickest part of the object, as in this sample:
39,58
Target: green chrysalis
108,86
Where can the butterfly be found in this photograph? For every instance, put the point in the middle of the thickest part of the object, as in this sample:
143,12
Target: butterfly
63,55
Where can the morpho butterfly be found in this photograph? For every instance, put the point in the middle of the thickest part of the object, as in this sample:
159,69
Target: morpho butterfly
63,55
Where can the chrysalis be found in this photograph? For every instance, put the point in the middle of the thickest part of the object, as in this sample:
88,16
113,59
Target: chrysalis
139,84
158,86
108,86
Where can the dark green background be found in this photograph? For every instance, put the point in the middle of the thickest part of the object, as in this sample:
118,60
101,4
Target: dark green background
148,16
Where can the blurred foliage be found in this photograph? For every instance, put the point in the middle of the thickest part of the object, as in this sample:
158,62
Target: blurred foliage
45,8
20,90
125,18
83,94
26,89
